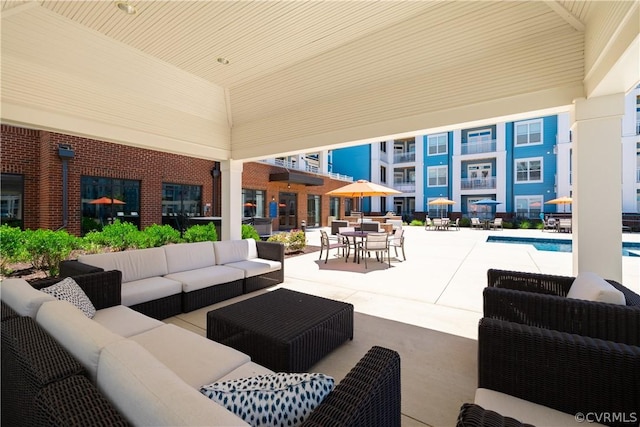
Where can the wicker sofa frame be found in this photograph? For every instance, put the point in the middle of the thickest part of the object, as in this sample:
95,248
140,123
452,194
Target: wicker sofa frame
540,300
369,395
567,372
43,385
172,305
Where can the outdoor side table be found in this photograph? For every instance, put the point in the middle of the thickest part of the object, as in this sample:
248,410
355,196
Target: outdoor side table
283,330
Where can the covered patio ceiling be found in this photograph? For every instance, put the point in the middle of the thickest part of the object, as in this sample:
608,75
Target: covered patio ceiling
302,75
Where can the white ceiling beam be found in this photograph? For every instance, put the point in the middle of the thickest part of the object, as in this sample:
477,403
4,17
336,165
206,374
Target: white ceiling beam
566,15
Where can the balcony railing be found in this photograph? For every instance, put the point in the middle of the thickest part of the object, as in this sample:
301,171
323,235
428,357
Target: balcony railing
404,157
308,168
477,183
405,186
478,147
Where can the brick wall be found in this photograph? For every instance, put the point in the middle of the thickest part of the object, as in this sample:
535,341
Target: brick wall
34,154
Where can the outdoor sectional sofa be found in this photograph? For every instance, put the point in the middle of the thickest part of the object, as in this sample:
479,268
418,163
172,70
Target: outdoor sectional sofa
138,370
165,281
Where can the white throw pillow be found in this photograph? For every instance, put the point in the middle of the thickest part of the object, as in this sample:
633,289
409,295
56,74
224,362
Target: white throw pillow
280,399
591,287
68,290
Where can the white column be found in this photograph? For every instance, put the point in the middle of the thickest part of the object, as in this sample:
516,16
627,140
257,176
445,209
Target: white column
419,168
323,162
231,199
597,214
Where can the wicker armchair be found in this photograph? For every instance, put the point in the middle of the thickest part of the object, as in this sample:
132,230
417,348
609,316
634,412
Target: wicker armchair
566,372
540,300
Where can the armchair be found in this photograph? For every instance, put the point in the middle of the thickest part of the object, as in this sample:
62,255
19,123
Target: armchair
540,300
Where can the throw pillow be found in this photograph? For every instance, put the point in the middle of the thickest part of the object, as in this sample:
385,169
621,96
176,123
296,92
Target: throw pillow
279,399
591,287
68,290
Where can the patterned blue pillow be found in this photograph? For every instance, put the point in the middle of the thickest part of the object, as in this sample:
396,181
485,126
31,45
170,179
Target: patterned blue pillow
68,290
280,399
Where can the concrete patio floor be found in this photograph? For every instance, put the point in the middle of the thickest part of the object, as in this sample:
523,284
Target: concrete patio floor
427,308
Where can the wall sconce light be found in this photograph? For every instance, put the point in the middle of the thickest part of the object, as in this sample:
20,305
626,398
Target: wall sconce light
215,171
288,185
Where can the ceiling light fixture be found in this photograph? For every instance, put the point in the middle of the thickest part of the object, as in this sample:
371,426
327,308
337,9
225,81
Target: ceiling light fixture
223,61
126,7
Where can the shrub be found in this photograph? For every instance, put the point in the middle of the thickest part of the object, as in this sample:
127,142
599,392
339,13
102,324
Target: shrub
90,224
293,241
46,248
158,235
507,224
417,222
525,224
465,222
11,247
201,233
248,232
118,236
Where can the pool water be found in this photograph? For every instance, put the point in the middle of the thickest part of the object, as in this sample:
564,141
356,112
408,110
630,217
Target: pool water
556,245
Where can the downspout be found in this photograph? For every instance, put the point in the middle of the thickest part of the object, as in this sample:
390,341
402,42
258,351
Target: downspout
66,153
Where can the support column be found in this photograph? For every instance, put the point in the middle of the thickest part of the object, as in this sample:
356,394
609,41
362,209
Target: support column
231,199
597,201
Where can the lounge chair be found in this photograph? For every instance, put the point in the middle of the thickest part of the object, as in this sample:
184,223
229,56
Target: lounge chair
475,223
564,225
550,224
428,223
497,223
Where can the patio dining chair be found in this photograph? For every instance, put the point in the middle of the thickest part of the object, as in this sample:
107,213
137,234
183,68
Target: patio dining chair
378,243
326,245
475,223
397,241
497,223
352,243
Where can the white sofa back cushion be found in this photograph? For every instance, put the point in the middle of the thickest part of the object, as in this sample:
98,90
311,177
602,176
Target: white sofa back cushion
591,287
23,298
148,393
189,256
232,250
79,335
134,265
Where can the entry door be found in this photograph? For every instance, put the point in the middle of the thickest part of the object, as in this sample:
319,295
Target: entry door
288,209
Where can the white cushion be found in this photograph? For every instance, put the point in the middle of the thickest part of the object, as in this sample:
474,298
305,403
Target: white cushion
231,251
523,410
591,287
194,358
79,335
149,289
205,277
68,290
134,265
23,298
148,393
253,248
189,256
249,369
124,321
280,399
255,266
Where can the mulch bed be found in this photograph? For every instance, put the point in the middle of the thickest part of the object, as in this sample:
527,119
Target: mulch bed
307,250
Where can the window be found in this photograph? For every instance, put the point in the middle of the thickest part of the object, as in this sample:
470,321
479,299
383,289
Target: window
253,203
313,210
437,176
529,170
383,174
334,206
529,132
437,144
528,206
479,136
11,197
120,199
383,146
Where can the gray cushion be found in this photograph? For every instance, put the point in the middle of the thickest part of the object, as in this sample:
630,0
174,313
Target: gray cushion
22,297
189,256
134,265
205,277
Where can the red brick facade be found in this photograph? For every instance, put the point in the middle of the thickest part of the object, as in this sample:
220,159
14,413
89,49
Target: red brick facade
34,155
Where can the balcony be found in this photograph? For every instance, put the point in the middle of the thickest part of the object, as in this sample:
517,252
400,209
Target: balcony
408,157
478,183
638,175
308,168
477,147
405,186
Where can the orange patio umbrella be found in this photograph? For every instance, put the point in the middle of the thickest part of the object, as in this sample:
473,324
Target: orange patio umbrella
560,201
107,201
363,188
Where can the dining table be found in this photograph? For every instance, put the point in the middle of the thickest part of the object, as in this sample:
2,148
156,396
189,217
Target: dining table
355,235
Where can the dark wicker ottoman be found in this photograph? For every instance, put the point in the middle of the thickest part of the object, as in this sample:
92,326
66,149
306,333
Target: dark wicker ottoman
283,330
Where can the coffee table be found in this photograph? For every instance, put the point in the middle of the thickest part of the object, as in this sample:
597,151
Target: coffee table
283,330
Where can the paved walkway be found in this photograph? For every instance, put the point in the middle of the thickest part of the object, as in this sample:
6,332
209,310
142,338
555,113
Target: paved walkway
440,285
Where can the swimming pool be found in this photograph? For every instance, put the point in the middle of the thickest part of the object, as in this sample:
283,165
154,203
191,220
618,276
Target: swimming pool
558,245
